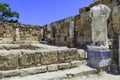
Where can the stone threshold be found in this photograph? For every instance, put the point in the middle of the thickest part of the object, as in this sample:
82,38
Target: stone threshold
81,70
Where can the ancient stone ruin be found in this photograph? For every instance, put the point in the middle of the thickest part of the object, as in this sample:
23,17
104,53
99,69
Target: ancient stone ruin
28,49
9,33
16,59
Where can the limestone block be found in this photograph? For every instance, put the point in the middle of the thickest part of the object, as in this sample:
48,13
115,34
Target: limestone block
80,40
87,35
116,19
87,21
63,66
36,58
52,67
49,57
75,63
8,60
33,70
68,55
10,73
116,28
106,2
82,53
78,23
29,59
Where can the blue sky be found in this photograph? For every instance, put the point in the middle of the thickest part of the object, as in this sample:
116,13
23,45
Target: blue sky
41,12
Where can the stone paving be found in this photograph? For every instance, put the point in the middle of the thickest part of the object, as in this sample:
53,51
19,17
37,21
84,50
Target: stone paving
63,75
102,76
57,75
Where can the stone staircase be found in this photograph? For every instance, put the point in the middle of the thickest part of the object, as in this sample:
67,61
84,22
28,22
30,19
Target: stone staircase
50,73
49,61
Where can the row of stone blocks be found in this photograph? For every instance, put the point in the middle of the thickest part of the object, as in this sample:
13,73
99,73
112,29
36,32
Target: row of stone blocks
40,69
18,59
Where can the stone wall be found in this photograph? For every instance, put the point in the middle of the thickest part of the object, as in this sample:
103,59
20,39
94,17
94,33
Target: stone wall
57,33
26,33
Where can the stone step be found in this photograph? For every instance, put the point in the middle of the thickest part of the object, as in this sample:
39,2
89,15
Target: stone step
81,70
40,69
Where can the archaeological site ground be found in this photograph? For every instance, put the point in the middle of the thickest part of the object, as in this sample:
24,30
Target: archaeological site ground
58,51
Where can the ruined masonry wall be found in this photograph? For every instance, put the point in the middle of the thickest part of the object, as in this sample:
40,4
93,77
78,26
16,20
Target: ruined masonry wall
27,33
57,33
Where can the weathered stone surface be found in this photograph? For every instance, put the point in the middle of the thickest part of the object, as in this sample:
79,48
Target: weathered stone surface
75,63
28,33
33,70
0,75
52,67
29,59
85,24
82,10
82,53
116,19
49,57
63,66
68,55
8,60
106,1
114,68
116,28
10,73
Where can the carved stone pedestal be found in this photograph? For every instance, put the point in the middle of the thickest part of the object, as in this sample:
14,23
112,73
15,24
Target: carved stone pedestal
99,58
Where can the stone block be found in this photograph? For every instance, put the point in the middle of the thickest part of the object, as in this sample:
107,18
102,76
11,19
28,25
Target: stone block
10,73
82,53
106,2
63,66
99,58
116,19
49,57
75,63
52,67
116,28
33,70
29,58
87,35
36,58
68,55
8,60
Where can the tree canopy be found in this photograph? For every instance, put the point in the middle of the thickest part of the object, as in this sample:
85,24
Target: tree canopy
7,15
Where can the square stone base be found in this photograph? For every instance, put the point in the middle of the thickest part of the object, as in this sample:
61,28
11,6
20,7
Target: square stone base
99,58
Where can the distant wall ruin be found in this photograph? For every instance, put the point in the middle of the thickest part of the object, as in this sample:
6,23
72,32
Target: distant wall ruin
27,33
57,33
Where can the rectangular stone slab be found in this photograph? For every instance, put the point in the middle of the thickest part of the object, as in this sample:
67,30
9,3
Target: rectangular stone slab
49,57
8,60
29,59
68,55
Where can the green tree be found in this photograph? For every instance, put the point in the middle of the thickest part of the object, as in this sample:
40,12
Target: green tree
7,15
